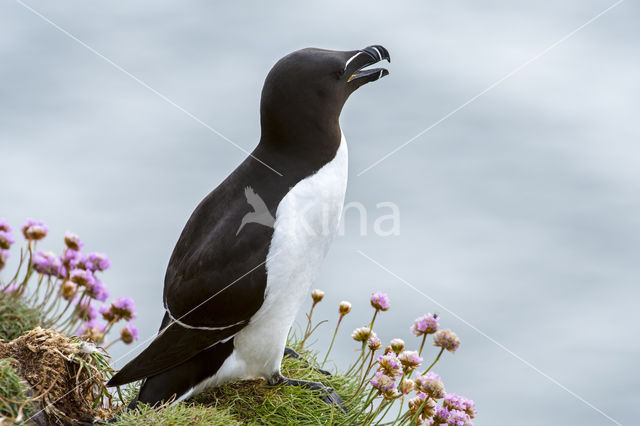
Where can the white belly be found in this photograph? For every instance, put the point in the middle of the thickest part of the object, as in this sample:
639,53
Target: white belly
307,220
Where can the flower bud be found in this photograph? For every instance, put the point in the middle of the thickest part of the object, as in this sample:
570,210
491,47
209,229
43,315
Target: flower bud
362,334
344,308
397,345
406,386
69,290
317,296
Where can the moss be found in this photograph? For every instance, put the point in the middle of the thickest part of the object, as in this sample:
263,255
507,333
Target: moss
16,318
14,402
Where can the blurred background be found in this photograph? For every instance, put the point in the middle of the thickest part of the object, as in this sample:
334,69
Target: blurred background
519,214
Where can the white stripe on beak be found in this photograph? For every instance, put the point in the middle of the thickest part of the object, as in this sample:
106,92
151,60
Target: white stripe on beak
351,59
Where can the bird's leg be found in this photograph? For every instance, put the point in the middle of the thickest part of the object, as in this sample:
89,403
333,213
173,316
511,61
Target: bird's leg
290,353
327,394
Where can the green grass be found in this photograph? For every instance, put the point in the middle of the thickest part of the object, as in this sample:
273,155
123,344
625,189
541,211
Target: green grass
14,404
16,318
256,403
178,414
240,403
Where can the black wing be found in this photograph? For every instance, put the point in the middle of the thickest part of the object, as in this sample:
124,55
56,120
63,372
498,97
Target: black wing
215,281
171,347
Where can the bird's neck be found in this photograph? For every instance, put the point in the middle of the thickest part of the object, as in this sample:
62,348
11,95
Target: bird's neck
302,135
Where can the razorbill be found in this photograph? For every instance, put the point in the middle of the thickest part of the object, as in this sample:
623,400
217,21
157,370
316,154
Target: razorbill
251,249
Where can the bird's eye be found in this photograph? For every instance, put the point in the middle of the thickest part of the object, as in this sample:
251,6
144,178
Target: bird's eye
339,74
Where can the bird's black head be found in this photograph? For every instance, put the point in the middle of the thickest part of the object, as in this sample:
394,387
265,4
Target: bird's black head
306,90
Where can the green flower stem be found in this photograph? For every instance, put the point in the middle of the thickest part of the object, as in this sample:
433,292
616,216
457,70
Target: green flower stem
307,330
424,338
355,364
434,361
371,401
389,405
111,344
368,400
61,314
53,307
332,340
15,277
399,410
361,386
372,416
415,417
373,320
48,293
33,298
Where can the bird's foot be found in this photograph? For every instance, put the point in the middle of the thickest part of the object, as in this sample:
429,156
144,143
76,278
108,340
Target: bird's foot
290,353
327,394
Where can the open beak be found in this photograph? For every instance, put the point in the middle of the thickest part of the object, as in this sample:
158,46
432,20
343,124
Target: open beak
363,58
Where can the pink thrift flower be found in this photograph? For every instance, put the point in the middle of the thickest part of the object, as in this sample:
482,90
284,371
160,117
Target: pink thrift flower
446,339
380,301
92,330
4,225
123,308
47,263
82,277
6,240
426,324
72,241
97,262
34,230
97,290
129,333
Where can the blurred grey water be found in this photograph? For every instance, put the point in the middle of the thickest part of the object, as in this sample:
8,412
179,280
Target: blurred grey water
520,213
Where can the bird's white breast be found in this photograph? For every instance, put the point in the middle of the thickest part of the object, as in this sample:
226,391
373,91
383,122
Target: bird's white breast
306,222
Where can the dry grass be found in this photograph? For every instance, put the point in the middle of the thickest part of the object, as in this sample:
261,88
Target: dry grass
65,380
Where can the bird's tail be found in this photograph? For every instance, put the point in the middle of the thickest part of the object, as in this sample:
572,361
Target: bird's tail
173,346
180,380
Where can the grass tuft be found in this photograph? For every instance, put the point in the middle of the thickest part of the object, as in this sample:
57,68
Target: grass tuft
15,405
178,414
16,318
256,403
